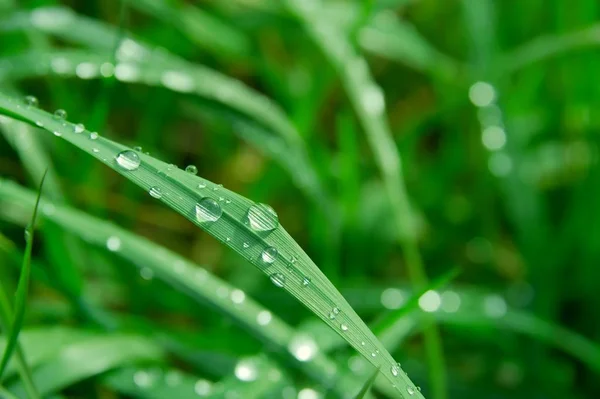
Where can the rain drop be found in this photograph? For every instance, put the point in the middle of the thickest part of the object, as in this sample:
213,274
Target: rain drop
57,134
128,160
78,128
208,210
395,370
344,327
269,255
218,186
246,245
60,114
410,390
262,217
155,192
306,281
93,136
137,148
31,101
202,185
278,279
191,169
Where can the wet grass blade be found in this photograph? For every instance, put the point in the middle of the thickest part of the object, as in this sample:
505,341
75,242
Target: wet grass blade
188,278
251,230
23,286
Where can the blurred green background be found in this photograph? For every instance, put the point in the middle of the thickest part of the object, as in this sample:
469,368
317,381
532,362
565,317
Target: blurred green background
491,107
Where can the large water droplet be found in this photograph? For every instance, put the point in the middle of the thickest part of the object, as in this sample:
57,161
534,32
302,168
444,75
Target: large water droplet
155,192
278,279
128,160
208,210
191,169
93,136
269,255
261,217
60,114
31,101
78,128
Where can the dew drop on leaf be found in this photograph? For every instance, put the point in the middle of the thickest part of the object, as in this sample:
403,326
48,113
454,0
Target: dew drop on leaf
31,101
262,217
60,114
191,169
155,192
269,255
128,160
278,279
78,128
208,210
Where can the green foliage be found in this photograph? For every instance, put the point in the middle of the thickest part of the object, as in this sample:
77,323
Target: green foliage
399,141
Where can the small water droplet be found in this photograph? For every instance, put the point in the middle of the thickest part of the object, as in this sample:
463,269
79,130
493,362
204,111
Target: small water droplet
332,315
336,310
410,390
344,327
261,217
191,169
57,134
39,123
246,245
95,150
228,201
155,192
373,354
306,281
395,370
269,255
128,160
228,239
362,343
293,259
217,187
60,114
278,279
208,210
137,148
202,185
31,101
93,136
78,128
221,199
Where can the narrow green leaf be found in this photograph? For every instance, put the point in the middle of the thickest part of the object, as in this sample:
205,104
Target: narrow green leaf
247,228
367,386
23,286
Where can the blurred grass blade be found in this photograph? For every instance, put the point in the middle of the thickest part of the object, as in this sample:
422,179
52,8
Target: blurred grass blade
23,286
88,358
6,316
188,278
367,386
368,102
249,229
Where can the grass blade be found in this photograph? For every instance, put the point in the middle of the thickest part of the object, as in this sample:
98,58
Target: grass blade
367,386
23,286
369,104
190,279
266,245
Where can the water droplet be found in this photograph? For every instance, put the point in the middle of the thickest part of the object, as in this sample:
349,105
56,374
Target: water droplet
373,354
293,259
262,217
395,370
228,201
93,136
218,186
95,150
269,255
39,123
362,343
246,245
78,128
228,239
57,134
344,327
336,310
113,243
410,390
278,279
202,185
137,148
31,101
155,192
191,169
60,114
306,281
208,210
128,160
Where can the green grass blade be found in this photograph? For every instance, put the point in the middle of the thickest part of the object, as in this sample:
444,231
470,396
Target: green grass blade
226,216
23,368
369,104
367,386
91,357
188,278
23,286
